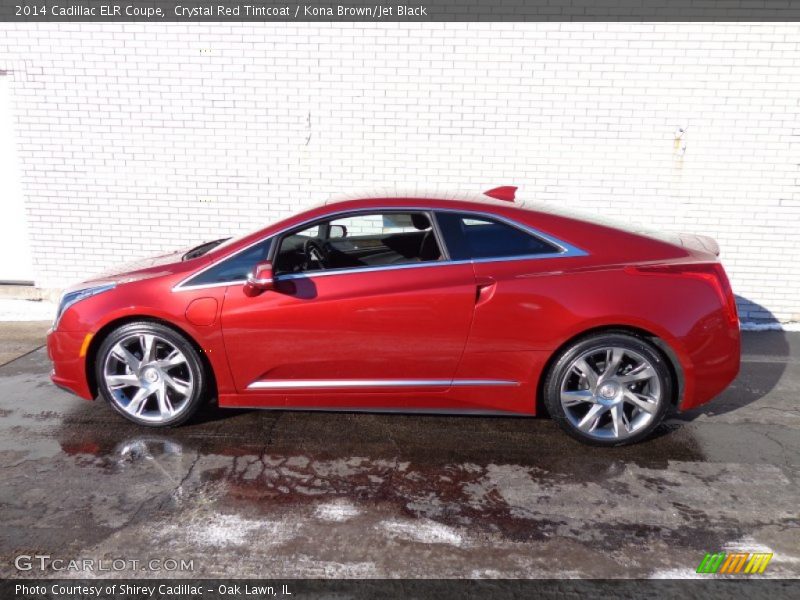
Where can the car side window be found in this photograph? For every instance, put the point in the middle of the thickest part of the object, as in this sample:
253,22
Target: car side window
233,269
474,236
364,240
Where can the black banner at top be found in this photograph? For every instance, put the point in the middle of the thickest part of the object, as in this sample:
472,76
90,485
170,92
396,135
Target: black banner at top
397,11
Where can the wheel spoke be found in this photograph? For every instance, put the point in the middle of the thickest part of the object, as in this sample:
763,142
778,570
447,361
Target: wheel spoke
148,343
640,373
174,359
619,421
125,356
613,359
138,402
164,405
640,401
586,371
574,398
180,386
120,381
592,418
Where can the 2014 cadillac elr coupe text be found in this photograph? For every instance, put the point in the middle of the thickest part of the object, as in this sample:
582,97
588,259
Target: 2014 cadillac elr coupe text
408,304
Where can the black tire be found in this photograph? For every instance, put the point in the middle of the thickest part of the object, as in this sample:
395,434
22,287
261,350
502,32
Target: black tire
195,372
563,368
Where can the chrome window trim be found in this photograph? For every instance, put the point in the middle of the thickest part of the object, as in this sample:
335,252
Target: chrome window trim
286,384
204,286
567,250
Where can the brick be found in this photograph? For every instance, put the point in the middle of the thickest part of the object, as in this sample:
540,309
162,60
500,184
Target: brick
115,122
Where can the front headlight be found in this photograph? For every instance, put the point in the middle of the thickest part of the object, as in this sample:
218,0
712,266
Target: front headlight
69,298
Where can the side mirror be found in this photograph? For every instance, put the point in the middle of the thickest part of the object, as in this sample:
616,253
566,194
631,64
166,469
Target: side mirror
337,231
262,280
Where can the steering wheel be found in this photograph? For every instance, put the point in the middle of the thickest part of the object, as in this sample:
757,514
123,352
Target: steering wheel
315,256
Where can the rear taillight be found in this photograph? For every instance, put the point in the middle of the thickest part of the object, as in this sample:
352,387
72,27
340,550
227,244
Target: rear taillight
710,272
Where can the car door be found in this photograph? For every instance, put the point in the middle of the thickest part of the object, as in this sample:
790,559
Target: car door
514,269
368,328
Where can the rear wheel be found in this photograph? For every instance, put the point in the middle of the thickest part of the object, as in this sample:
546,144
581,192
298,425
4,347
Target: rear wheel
609,389
150,374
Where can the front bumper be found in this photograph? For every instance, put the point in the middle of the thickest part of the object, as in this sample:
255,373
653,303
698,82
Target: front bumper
65,349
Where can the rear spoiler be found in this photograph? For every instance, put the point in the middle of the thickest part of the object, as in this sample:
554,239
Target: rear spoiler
504,192
702,243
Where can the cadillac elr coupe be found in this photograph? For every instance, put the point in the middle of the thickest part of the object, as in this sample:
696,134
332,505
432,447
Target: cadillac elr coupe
449,305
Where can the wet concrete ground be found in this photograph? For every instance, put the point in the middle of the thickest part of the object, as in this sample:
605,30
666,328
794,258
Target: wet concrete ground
356,495
18,338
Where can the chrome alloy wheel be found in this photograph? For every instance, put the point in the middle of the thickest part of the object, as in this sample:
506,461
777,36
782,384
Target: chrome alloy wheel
610,393
148,377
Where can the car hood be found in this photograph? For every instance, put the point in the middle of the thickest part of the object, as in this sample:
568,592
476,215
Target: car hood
145,268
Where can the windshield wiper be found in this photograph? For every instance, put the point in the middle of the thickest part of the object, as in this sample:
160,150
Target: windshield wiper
203,248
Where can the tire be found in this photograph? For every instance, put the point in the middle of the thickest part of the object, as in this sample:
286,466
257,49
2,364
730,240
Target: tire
150,374
609,389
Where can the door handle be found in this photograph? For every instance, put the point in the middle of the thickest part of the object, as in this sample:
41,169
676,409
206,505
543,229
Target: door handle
484,289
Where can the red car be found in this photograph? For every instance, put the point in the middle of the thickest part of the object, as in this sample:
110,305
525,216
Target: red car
467,306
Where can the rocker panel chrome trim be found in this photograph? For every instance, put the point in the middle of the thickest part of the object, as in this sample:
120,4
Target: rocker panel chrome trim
285,384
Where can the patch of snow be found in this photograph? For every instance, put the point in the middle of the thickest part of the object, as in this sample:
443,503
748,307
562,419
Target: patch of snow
337,511
26,310
224,530
232,530
747,544
425,532
677,574
488,574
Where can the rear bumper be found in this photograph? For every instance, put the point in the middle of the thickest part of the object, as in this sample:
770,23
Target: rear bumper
711,362
69,367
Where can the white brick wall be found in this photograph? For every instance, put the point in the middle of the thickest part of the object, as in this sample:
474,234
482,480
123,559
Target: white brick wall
139,138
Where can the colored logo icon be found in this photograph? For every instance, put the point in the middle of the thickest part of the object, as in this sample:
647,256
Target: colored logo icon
743,563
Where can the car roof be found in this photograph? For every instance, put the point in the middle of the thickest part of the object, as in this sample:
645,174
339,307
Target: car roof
438,196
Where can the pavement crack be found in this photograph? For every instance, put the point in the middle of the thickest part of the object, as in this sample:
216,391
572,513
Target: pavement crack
179,488
21,356
774,440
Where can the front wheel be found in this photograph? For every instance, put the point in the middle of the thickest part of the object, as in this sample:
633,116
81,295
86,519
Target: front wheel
150,374
609,389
